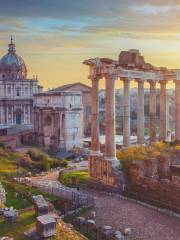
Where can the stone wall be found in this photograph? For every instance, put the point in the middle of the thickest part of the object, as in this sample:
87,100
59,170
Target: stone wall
151,181
105,175
2,194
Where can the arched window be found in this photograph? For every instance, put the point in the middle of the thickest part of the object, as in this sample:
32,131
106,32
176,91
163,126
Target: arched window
18,90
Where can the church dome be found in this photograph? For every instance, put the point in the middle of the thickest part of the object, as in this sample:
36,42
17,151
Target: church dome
12,58
12,61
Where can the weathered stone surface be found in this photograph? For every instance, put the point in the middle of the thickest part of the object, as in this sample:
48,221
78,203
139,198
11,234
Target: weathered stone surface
149,182
127,231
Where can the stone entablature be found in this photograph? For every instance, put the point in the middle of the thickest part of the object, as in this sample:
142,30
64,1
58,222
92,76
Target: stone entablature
62,100
58,120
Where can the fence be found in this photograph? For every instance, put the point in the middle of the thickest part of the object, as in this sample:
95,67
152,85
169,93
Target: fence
55,188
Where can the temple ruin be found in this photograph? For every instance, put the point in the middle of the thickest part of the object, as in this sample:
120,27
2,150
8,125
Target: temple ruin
131,66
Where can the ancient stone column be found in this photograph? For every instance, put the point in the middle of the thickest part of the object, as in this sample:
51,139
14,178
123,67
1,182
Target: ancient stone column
126,112
177,110
152,111
110,144
95,145
140,112
164,110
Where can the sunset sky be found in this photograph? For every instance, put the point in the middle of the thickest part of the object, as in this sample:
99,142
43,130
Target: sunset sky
55,36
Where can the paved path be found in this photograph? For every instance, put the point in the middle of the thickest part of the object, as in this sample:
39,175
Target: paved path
146,223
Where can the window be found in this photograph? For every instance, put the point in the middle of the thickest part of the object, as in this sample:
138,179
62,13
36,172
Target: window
26,90
88,110
26,109
18,91
9,90
9,109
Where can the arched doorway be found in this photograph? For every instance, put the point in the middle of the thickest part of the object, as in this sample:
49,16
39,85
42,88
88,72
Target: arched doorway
18,116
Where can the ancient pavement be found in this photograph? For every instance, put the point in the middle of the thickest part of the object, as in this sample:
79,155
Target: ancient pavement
146,223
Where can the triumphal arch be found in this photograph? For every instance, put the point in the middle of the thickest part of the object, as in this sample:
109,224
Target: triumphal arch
130,66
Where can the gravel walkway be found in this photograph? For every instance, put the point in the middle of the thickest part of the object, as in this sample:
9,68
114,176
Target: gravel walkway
146,223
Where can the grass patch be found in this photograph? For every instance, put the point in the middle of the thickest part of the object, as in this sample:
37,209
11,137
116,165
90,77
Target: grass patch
25,222
15,199
64,232
74,178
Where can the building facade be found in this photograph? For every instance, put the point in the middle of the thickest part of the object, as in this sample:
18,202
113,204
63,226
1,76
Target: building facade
16,90
58,120
86,101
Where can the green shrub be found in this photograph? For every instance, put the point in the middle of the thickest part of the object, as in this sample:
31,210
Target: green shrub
58,163
2,145
141,153
74,178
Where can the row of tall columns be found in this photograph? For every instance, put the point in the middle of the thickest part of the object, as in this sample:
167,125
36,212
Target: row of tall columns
110,146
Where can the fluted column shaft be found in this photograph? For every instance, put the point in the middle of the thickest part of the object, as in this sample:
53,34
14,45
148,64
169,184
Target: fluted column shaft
152,111
164,110
140,112
126,112
95,145
177,109
110,145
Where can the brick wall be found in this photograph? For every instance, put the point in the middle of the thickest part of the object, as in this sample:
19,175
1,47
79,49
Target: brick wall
150,181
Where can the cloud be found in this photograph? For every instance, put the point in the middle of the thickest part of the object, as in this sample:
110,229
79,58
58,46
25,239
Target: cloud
56,25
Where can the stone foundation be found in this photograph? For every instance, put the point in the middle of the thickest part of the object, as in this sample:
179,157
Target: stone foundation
150,181
105,174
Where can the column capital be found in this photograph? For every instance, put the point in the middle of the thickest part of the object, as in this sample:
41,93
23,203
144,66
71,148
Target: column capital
110,76
126,79
94,77
163,82
139,80
152,83
176,81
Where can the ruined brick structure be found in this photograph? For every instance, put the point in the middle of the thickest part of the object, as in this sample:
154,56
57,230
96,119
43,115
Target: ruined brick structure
150,181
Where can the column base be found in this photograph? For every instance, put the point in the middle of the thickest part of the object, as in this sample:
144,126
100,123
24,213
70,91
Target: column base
95,153
110,159
106,172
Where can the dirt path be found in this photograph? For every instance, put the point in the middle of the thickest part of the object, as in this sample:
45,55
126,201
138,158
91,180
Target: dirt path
146,223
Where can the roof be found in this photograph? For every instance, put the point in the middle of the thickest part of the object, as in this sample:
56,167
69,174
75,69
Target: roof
40,201
57,92
46,219
67,86
11,57
64,154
